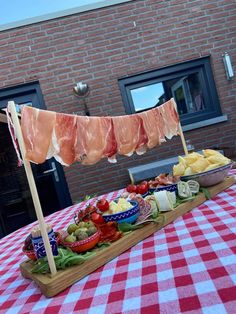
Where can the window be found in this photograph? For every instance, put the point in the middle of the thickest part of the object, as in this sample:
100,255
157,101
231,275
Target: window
191,84
27,94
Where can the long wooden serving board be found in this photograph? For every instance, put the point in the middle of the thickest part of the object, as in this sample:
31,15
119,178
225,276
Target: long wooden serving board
52,285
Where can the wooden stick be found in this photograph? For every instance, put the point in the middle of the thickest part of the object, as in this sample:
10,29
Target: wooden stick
33,188
180,130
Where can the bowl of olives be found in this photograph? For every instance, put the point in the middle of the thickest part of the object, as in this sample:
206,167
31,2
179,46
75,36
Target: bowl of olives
81,237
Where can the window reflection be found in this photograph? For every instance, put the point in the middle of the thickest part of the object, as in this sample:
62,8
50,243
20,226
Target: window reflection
186,91
147,96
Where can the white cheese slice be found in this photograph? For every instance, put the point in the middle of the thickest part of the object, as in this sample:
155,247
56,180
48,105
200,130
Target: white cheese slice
165,200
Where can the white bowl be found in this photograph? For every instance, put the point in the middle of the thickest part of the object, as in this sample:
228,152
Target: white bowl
211,177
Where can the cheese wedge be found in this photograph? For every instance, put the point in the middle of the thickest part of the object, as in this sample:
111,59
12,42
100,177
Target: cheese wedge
165,200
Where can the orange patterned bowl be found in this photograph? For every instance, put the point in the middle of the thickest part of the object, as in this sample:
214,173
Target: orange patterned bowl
28,248
30,254
82,245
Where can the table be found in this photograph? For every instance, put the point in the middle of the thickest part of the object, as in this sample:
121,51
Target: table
187,267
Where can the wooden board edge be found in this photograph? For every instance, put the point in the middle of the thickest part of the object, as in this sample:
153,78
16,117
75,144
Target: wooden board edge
50,286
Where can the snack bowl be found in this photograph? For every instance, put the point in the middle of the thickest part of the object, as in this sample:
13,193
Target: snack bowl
29,249
211,177
130,215
170,188
30,254
81,245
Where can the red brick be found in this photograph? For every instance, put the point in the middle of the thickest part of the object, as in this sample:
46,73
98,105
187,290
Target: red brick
103,45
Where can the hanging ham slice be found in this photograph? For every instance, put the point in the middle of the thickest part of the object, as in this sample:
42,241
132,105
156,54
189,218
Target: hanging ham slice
71,138
95,139
130,134
153,126
37,126
63,139
170,119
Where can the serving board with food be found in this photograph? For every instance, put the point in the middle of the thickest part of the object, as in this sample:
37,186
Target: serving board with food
100,233
52,285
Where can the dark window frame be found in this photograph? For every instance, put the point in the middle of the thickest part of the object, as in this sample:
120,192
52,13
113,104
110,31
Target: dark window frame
30,92
201,65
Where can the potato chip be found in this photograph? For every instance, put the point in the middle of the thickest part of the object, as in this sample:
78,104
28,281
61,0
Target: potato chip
188,171
182,161
218,159
192,157
212,166
210,152
178,170
199,165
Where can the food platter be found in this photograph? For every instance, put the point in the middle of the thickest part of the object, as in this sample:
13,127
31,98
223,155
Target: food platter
57,280
52,285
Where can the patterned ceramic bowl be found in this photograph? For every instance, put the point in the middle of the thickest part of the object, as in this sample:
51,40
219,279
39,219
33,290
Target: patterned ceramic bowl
211,177
129,215
29,250
82,245
170,188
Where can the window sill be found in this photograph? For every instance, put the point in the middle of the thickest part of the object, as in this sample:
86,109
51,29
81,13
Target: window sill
204,123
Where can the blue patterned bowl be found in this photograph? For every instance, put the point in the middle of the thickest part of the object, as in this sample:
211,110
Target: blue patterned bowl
130,215
170,188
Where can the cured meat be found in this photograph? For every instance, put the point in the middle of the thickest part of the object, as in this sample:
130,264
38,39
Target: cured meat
109,232
130,134
153,126
95,139
170,119
37,126
71,138
162,180
63,139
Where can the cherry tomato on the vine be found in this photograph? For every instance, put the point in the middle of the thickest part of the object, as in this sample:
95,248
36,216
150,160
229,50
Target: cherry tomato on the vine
131,188
145,183
142,188
102,205
97,218
90,208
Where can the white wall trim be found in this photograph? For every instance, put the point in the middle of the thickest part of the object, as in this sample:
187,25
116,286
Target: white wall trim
62,13
204,123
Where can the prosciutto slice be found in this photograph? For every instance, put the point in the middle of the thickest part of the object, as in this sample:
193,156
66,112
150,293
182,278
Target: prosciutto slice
63,139
170,119
71,138
95,140
37,126
153,126
130,134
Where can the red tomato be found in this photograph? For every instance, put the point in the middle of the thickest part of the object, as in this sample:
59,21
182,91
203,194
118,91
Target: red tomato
131,188
142,188
102,205
145,183
84,215
90,208
97,218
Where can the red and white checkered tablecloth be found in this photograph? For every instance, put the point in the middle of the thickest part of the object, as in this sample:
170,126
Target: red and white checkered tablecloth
187,267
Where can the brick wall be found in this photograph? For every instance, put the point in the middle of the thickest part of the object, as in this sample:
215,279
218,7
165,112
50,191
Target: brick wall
98,47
